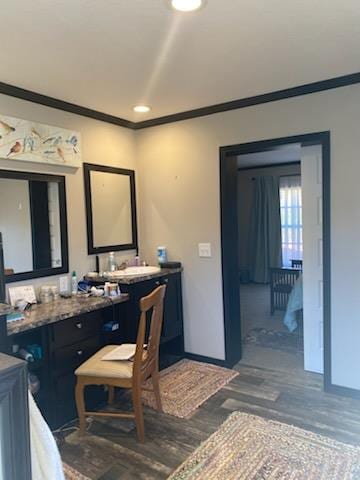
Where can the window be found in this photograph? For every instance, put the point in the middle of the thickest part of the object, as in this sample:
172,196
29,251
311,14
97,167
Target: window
291,219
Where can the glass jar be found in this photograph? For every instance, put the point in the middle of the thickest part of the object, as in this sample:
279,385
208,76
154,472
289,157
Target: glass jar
55,292
45,294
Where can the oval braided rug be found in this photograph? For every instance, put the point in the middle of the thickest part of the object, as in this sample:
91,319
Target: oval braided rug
247,447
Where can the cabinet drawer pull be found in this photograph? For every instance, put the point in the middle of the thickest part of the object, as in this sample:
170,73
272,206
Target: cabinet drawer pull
79,325
79,352
166,280
157,283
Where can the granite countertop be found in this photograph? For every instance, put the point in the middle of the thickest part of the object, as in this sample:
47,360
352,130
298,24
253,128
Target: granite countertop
46,313
133,279
5,309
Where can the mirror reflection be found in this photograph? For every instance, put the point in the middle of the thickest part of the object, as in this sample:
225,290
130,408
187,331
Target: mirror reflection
111,208
30,225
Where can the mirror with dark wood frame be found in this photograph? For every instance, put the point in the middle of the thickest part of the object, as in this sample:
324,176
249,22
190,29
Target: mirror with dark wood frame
33,224
110,208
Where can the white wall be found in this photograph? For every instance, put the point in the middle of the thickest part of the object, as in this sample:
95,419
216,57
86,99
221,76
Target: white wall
179,193
102,144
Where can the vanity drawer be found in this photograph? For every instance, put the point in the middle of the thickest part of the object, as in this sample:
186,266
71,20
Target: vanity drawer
73,330
72,356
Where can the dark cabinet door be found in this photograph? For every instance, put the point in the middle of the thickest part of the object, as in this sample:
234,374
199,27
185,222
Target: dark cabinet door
136,291
14,420
173,318
64,398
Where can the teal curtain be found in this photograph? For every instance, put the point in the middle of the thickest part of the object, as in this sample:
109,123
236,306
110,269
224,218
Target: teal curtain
265,229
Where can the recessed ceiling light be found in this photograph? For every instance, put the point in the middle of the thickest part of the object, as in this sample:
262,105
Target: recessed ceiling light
141,108
186,5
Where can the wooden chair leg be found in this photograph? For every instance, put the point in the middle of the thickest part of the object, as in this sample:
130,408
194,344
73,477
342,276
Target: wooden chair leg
156,386
138,410
111,397
80,405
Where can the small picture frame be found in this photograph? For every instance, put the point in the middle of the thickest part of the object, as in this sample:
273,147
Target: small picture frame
25,293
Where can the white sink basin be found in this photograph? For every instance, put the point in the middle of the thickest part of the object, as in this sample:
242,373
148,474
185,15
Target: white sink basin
134,271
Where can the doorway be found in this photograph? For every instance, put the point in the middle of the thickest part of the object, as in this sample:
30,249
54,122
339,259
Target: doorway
229,164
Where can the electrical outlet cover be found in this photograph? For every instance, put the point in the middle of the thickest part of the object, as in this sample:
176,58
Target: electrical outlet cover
204,250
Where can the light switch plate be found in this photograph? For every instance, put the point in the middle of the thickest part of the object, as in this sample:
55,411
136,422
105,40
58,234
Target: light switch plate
205,250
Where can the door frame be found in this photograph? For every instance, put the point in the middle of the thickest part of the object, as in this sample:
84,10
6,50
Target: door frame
229,239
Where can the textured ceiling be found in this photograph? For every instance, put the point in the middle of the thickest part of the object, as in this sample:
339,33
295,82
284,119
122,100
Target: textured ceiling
112,54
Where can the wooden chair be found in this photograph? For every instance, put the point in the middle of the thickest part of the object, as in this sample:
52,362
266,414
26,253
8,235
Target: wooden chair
282,281
127,374
296,264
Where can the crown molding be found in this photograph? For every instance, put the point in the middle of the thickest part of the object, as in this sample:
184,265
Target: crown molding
52,102
275,96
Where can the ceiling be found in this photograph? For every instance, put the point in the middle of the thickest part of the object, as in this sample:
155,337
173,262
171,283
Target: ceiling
283,154
109,55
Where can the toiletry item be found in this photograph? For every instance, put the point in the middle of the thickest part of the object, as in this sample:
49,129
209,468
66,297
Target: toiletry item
74,283
111,326
54,292
97,292
112,262
35,350
22,305
161,255
97,264
92,274
26,355
111,289
137,261
14,317
45,294
83,286
64,285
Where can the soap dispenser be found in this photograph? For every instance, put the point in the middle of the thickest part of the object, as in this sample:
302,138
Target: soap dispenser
74,283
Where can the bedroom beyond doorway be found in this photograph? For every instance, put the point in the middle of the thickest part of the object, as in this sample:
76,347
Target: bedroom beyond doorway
278,187
271,256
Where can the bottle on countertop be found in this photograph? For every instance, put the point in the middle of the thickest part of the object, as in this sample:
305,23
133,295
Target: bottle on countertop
112,262
74,283
26,355
161,255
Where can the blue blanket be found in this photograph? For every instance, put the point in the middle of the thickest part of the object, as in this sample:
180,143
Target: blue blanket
295,303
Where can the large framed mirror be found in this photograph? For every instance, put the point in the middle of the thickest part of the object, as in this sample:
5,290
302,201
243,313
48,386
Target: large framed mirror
110,208
33,224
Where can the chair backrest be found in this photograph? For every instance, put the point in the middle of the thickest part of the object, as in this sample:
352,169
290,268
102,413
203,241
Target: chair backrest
146,361
296,264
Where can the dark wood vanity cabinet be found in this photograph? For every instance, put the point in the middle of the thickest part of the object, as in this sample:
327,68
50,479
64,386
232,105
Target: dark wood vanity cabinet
71,342
66,344
172,335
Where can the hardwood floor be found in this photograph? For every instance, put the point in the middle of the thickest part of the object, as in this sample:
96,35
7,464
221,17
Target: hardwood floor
110,450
